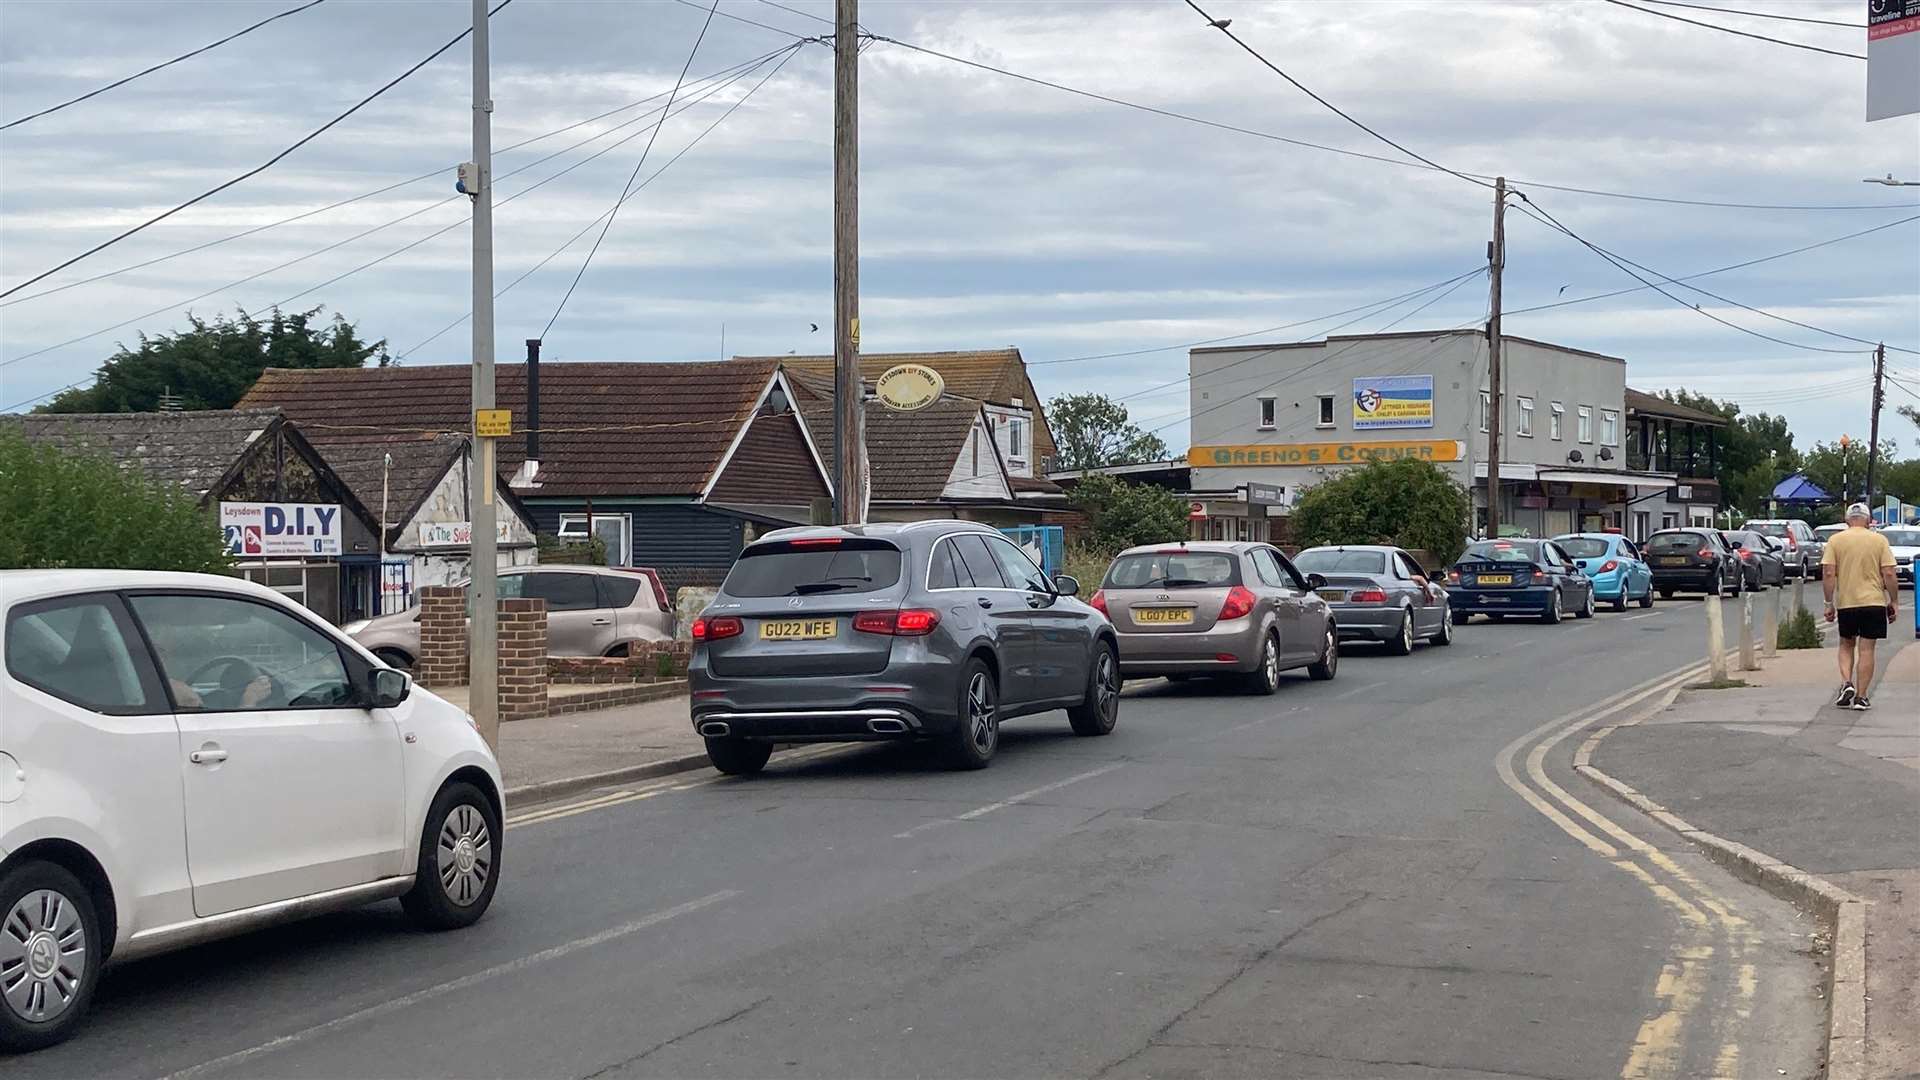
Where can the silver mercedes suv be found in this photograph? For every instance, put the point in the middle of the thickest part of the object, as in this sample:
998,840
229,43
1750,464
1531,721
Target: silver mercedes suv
933,631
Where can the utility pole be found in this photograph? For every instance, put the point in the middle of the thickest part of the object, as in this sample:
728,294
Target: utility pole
483,681
1873,427
849,414
1496,261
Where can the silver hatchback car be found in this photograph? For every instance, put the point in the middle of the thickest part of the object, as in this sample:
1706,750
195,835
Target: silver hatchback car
933,631
1379,593
1218,608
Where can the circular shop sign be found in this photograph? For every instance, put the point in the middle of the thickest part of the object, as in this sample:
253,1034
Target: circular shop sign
908,387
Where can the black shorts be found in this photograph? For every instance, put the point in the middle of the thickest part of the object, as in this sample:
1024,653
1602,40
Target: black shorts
1863,622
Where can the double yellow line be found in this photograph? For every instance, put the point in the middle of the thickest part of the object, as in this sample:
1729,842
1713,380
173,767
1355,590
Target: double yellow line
1707,921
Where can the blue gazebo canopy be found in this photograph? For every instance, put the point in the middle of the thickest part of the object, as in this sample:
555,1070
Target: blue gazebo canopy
1797,488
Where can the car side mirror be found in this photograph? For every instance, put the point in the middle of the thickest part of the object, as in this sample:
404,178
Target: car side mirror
1316,581
1066,585
388,687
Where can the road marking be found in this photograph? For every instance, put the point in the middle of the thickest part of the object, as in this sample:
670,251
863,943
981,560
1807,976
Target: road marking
511,967
622,797
1646,615
982,811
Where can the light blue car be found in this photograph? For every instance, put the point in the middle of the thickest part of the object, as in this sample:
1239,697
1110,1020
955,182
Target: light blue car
1620,575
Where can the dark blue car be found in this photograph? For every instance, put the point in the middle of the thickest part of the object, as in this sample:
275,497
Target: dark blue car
1535,578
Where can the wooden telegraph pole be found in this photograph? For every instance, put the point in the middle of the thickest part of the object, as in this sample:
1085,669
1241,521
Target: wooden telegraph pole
1873,428
849,415
1496,261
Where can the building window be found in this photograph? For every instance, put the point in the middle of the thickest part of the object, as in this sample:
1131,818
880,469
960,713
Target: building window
1268,415
1016,438
1558,413
1486,409
614,530
1609,428
1526,417
1586,423
1326,411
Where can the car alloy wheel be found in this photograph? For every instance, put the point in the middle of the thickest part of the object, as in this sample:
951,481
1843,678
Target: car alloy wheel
1406,632
43,955
1106,687
1445,634
465,855
983,719
1270,662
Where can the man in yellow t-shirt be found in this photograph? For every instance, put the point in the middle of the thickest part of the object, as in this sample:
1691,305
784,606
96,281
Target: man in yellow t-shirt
1862,595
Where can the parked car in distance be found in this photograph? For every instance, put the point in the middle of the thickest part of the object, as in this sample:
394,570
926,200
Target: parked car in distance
1379,593
1498,578
1695,559
591,611
1828,532
1804,546
1613,563
936,631
1217,608
189,756
1905,541
1761,563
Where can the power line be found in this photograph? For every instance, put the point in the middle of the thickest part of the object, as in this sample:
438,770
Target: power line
632,176
431,174
1731,30
1221,25
1172,114
1758,14
791,51
702,96
163,64
260,168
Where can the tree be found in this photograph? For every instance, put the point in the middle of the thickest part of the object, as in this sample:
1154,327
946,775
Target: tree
1091,431
59,509
1409,503
1123,515
212,364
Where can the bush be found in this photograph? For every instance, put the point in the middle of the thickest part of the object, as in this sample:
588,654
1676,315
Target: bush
663,665
82,510
1800,631
590,552
1409,503
1122,515
1088,565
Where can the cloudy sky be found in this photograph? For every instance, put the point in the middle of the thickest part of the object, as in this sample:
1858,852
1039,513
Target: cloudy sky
993,211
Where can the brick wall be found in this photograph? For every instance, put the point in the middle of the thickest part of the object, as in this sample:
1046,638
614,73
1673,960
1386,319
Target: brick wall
642,666
523,659
443,637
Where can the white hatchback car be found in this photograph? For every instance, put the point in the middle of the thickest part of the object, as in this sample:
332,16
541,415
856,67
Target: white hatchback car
185,756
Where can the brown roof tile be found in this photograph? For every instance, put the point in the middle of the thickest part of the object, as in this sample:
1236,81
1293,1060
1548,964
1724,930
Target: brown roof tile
607,428
910,455
192,449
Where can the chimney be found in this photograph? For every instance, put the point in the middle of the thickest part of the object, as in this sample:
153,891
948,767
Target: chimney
533,399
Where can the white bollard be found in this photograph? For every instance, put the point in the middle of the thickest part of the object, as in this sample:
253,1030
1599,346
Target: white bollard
1716,641
1749,661
1799,594
1770,641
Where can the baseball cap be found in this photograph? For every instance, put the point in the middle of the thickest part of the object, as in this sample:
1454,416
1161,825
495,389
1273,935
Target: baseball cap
1859,510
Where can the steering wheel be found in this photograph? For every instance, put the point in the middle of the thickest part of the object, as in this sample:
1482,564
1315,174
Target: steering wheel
235,674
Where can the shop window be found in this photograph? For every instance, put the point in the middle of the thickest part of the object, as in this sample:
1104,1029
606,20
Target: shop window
1526,417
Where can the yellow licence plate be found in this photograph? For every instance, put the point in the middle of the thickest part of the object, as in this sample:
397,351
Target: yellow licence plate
1163,615
798,629
1496,579
1333,596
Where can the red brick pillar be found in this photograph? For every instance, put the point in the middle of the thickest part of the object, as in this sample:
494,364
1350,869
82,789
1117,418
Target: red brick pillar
523,659
443,637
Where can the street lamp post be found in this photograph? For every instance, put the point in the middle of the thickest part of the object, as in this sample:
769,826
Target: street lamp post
1889,181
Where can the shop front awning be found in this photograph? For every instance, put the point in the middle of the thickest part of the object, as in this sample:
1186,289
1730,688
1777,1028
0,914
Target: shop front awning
1611,477
1509,470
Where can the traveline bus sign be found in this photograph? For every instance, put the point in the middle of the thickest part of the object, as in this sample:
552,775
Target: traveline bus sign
269,530
1332,453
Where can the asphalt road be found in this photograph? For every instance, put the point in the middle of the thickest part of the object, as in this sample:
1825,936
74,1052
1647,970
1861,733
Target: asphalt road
1355,878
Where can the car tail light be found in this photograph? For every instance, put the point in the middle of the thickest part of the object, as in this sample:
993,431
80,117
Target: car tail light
818,541
1367,596
716,629
1098,601
1226,658
907,622
1453,577
1791,542
1239,603
1608,567
660,592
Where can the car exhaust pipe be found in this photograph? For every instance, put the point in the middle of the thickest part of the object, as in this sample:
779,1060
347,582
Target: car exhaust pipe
887,726
715,729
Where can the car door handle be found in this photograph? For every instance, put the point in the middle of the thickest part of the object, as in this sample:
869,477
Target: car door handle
984,602
603,622
207,757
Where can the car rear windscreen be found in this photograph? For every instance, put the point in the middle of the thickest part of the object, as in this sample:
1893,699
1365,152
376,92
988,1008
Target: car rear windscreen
1581,547
1676,541
1902,537
1173,570
1768,528
1502,551
807,567
1341,562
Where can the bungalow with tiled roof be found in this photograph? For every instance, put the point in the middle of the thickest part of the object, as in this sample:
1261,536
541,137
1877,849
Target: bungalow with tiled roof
675,466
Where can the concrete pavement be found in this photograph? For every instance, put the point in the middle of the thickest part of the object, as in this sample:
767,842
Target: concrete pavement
1335,881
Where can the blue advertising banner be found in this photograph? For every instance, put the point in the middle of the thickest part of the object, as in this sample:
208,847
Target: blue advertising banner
1392,401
